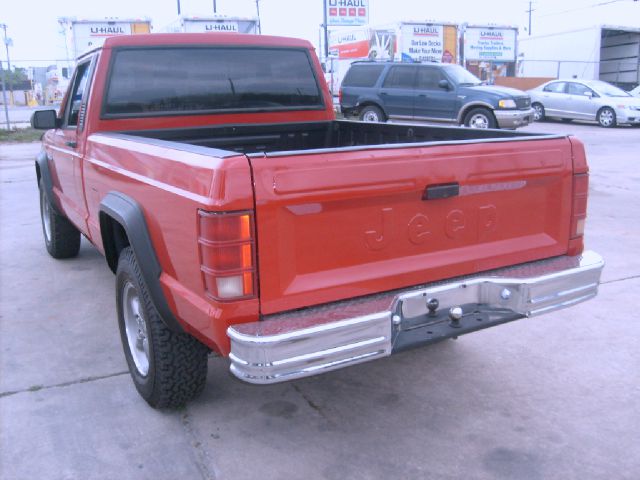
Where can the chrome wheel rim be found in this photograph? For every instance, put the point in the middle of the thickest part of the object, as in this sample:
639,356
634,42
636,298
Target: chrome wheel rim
479,120
136,328
606,118
537,112
370,116
45,213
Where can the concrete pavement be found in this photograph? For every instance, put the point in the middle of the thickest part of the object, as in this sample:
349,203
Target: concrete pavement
555,397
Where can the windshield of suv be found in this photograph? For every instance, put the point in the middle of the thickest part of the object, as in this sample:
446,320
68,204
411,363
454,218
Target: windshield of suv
608,90
462,77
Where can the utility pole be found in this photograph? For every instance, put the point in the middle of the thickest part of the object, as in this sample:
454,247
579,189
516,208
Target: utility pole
326,31
178,7
529,11
258,12
4,98
7,41
214,7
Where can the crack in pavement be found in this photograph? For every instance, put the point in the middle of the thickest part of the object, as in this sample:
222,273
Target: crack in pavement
311,403
37,388
202,458
632,277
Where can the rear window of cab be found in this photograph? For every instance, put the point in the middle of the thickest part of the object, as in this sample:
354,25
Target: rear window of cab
189,80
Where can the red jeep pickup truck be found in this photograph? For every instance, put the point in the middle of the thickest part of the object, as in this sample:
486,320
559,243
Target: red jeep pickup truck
240,217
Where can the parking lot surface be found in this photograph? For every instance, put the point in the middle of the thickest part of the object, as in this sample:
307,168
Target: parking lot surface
554,397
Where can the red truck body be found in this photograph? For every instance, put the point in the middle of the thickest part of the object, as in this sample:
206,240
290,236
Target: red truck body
345,211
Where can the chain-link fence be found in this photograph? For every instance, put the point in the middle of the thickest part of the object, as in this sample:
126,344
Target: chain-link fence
623,73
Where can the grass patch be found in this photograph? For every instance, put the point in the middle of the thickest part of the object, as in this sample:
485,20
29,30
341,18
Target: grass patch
20,135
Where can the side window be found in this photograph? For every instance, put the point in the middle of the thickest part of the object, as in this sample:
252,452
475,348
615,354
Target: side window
362,76
400,77
555,87
428,78
577,89
74,102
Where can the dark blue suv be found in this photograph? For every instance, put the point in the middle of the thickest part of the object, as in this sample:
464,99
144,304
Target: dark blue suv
434,92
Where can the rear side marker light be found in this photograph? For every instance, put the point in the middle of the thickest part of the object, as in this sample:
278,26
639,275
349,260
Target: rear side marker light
227,253
579,205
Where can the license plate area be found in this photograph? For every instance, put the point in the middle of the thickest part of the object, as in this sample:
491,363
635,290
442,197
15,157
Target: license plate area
437,325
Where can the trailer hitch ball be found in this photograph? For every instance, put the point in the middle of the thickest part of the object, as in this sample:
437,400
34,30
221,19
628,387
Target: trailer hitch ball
432,305
455,314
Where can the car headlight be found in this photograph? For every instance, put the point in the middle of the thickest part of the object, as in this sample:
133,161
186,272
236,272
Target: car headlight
506,103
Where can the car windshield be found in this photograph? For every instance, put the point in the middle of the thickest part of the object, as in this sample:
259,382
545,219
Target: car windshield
461,76
608,90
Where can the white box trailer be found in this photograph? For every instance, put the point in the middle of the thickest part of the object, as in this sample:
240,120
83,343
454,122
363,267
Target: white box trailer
406,41
82,35
604,52
214,23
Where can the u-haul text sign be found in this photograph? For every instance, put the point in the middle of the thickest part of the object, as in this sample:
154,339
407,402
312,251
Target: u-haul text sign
347,12
490,44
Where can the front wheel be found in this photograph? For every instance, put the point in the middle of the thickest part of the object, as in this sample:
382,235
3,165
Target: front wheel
167,368
606,117
61,237
372,114
538,112
480,118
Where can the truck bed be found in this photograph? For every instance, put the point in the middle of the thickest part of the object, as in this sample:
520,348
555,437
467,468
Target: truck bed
287,137
386,206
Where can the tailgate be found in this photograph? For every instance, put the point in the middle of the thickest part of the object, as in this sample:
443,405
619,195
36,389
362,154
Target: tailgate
344,223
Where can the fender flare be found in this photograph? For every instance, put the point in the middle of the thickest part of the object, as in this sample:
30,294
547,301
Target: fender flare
128,213
43,173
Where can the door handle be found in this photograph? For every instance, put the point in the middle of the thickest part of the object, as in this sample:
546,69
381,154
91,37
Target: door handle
443,190
383,93
71,144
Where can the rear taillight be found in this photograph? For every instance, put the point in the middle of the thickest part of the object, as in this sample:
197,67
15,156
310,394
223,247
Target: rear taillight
227,253
340,95
579,206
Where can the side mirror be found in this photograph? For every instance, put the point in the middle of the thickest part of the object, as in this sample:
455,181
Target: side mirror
588,94
444,84
45,120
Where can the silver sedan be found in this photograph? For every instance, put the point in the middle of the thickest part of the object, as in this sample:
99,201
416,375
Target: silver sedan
585,100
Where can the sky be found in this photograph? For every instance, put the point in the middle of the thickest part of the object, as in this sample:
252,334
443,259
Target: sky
37,40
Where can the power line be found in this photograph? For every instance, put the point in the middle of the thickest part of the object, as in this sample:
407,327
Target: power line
599,4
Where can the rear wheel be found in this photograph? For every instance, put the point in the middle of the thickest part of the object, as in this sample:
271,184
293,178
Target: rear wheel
61,238
606,117
167,368
538,112
373,114
480,118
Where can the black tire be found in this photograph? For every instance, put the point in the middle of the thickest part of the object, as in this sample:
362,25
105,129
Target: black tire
606,117
538,112
373,114
480,118
61,237
176,362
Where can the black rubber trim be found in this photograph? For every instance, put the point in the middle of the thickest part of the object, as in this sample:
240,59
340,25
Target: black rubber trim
444,190
45,175
127,212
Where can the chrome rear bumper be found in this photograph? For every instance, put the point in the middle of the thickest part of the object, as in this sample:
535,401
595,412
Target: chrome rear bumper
319,339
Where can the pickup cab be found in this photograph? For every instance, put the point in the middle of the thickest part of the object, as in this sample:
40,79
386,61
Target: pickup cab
241,218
